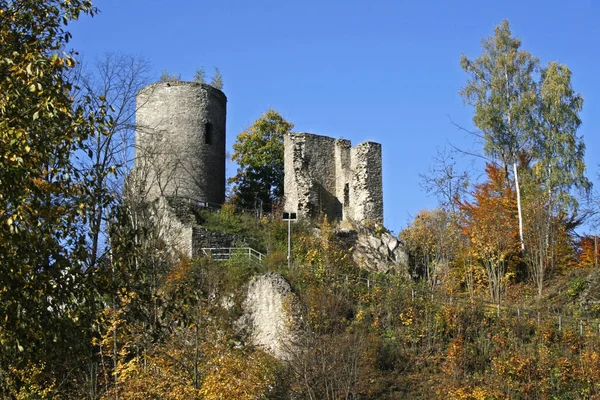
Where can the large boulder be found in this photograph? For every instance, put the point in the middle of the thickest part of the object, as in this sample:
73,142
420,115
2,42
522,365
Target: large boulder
271,314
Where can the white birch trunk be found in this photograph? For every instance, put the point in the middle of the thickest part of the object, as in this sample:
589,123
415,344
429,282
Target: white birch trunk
517,187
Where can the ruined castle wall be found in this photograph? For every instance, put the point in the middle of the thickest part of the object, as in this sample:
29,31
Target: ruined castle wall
326,175
366,194
203,238
343,175
310,184
180,141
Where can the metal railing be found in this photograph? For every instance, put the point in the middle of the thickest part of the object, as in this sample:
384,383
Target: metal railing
227,253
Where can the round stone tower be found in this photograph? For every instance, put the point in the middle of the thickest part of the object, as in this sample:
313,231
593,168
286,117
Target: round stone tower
180,141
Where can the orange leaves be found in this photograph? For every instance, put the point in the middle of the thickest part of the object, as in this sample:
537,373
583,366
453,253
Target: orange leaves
589,246
490,219
490,224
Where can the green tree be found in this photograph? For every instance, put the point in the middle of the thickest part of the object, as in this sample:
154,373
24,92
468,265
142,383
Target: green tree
258,151
558,168
431,240
217,80
166,76
43,291
200,75
503,91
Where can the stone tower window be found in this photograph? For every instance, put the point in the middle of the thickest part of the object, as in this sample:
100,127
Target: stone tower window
208,133
346,195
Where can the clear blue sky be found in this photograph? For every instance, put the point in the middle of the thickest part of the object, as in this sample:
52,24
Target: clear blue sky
386,71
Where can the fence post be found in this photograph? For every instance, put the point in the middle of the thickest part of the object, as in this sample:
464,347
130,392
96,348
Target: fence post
538,318
581,327
498,310
518,314
559,323
412,292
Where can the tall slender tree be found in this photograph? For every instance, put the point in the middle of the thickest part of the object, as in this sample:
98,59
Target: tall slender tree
503,91
558,168
111,83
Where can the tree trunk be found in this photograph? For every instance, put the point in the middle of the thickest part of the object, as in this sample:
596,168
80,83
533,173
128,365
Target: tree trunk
518,189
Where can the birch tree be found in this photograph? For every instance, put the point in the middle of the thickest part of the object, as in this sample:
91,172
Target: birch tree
558,167
503,91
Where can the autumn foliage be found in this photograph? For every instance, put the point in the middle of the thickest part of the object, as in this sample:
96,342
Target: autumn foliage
489,223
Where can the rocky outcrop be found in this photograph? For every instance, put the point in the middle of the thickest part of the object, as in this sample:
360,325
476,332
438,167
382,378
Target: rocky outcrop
271,314
375,251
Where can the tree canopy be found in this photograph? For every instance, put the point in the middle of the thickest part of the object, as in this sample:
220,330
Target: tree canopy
258,151
42,204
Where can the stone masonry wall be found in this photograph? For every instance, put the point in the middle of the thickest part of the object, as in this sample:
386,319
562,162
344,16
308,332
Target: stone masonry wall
203,238
180,140
366,195
326,175
310,175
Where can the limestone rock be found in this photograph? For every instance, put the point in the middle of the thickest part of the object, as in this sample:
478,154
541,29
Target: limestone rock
374,251
271,314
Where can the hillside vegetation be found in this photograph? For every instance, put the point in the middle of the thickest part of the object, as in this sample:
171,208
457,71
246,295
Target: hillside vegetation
363,335
500,298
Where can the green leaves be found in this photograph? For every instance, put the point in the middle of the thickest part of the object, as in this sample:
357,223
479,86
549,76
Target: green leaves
502,90
42,300
259,153
529,120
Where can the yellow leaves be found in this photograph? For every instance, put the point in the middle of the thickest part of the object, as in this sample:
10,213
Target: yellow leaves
477,393
407,317
33,383
238,375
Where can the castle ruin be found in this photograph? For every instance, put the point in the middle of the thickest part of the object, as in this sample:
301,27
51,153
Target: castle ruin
180,165
328,176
